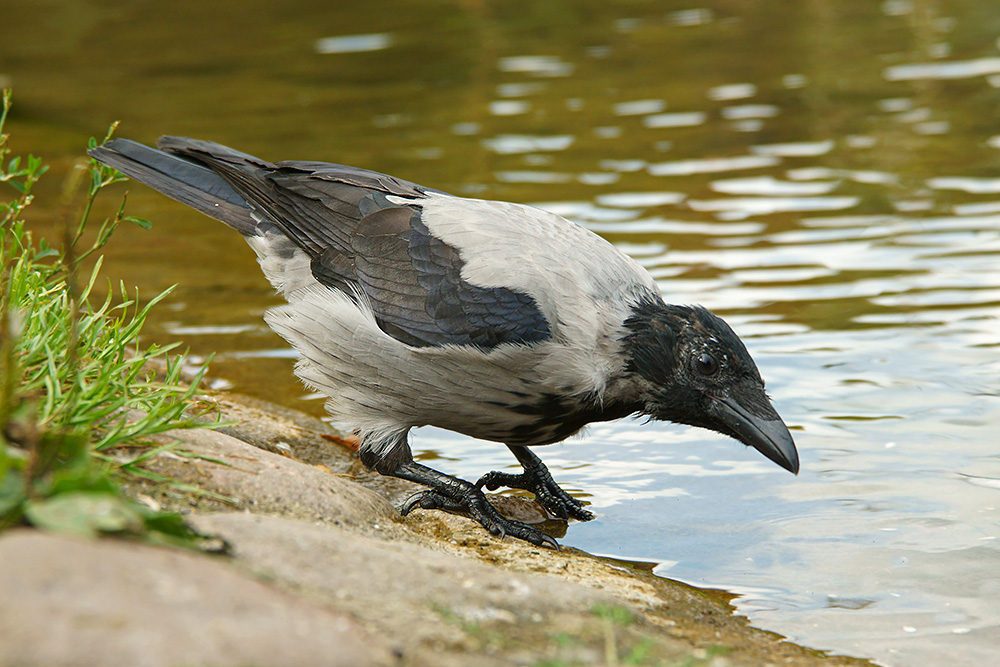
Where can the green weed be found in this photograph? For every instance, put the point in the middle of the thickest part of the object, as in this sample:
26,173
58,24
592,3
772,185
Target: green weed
78,397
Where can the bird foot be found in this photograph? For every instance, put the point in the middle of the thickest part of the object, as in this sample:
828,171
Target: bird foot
475,505
538,480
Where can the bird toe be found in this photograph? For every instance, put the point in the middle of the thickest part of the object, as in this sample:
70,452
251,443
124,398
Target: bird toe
476,506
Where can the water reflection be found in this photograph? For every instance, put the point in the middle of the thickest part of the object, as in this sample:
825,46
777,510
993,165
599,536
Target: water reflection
833,195
520,143
675,119
354,43
943,70
771,186
712,165
542,65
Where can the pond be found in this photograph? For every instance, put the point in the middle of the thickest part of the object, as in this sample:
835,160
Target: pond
824,174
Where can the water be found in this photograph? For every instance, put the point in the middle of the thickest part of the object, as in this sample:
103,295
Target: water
826,175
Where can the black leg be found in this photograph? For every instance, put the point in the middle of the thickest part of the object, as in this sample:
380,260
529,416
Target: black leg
537,479
456,495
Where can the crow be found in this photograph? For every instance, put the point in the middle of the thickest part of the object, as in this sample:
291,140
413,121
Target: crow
504,322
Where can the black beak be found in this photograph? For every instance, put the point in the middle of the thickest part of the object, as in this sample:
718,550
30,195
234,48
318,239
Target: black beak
760,427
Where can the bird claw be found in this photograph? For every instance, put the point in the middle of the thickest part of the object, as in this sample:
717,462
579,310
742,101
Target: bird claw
476,506
429,500
548,494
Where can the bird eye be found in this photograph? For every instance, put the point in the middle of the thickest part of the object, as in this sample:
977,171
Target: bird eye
707,365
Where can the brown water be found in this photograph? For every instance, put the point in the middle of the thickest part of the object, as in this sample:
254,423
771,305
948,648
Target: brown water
825,174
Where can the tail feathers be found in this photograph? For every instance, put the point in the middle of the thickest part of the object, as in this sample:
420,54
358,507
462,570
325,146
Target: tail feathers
180,179
198,149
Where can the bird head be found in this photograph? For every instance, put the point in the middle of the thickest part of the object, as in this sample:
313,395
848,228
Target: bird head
693,369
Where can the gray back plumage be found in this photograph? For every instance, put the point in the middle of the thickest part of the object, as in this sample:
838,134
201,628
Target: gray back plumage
434,269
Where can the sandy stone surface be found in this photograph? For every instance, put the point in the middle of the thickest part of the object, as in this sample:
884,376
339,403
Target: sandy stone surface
73,602
322,570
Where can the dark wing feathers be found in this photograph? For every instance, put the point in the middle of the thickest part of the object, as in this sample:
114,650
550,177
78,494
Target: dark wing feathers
358,240
193,184
258,185
481,316
413,282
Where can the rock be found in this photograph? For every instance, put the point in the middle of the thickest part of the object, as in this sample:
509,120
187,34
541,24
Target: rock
70,602
325,572
265,482
419,599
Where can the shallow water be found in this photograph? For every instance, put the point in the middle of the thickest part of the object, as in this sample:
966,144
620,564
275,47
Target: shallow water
825,175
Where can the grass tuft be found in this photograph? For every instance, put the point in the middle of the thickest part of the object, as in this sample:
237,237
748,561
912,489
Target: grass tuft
79,399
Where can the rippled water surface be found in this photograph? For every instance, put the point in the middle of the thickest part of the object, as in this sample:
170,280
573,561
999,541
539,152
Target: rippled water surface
824,174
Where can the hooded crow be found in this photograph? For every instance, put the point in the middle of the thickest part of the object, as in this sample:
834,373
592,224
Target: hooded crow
410,306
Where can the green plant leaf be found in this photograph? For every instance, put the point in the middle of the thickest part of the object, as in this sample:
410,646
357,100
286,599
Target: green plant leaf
616,614
84,476
142,222
84,513
12,492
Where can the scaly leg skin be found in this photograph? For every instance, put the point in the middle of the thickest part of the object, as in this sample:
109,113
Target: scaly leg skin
456,495
537,479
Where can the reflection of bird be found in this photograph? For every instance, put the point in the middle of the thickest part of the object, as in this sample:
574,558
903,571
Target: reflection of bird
410,307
